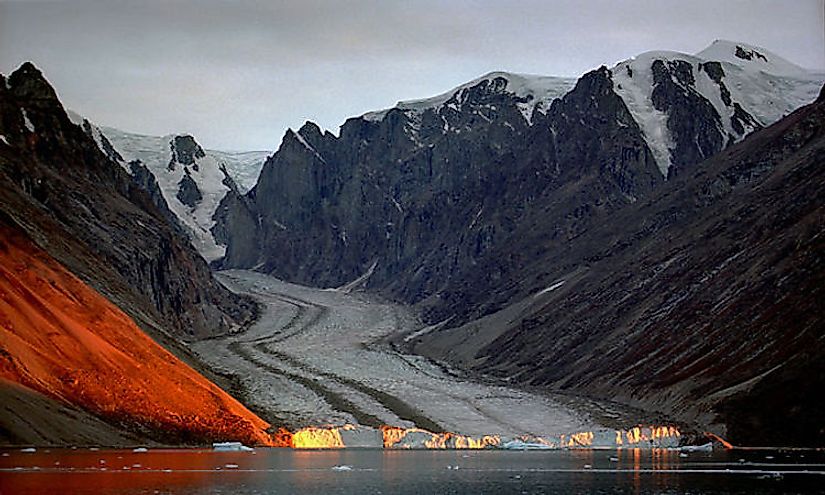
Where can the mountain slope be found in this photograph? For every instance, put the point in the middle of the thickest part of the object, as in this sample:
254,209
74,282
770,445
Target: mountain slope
692,106
188,180
446,201
64,340
705,301
95,219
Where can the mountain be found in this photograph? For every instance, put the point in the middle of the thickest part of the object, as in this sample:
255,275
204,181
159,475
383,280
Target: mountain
484,205
691,106
88,263
703,301
64,341
57,185
181,176
446,200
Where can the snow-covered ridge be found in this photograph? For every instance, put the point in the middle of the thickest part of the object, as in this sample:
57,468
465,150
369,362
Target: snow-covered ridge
751,58
206,171
542,89
765,86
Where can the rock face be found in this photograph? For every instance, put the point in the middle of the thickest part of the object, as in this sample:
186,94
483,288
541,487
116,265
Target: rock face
67,342
186,179
430,194
471,203
92,216
704,301
188,192
453,197
185,151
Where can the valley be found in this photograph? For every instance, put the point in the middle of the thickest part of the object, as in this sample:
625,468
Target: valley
322,357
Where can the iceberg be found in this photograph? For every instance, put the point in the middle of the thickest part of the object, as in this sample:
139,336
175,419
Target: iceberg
231,447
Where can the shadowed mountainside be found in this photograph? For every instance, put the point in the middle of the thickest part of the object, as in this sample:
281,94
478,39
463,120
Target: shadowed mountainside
92,216
704,301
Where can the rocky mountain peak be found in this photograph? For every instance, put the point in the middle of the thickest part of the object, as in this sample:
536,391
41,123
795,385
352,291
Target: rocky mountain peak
28,82
185,150
61,184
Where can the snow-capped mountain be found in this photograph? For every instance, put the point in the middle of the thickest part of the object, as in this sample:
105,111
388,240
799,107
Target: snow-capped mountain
191,180
436,187
730,89
532,92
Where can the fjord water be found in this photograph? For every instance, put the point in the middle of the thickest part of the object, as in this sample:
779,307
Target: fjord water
374,471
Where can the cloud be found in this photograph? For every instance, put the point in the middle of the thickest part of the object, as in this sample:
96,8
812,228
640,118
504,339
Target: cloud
237,73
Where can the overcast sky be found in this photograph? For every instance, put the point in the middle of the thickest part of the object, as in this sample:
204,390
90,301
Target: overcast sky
236,74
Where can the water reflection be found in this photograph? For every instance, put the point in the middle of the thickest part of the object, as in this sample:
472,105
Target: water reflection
640,471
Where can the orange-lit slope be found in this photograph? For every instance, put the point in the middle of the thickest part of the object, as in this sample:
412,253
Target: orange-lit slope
60,337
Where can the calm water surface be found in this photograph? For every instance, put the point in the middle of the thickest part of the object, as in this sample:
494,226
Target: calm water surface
85,471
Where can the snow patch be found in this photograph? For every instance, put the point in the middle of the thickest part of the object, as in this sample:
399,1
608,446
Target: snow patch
751,58
358,282
3,139
427,329
541,89
26,121
551,288
633,82
767,89
155,153
308,146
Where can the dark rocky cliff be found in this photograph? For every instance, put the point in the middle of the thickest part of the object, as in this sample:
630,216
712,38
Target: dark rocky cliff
430,197
91,215
704,301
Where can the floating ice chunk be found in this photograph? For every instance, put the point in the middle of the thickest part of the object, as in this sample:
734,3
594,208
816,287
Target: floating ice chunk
522,445
231,447
342,467
140,449
29,450
231,466
708,447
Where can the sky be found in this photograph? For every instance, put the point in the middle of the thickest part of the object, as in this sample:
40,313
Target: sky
237,74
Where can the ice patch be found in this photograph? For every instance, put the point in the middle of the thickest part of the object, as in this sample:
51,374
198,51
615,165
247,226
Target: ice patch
231,447
140,450
341,468
708,447
633,82
551,288
308,146
29,450
26,121
521,445
358,282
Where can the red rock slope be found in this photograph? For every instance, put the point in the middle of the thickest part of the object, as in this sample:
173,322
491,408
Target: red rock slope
61,338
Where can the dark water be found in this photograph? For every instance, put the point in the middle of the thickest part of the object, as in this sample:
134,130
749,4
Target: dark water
376,471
